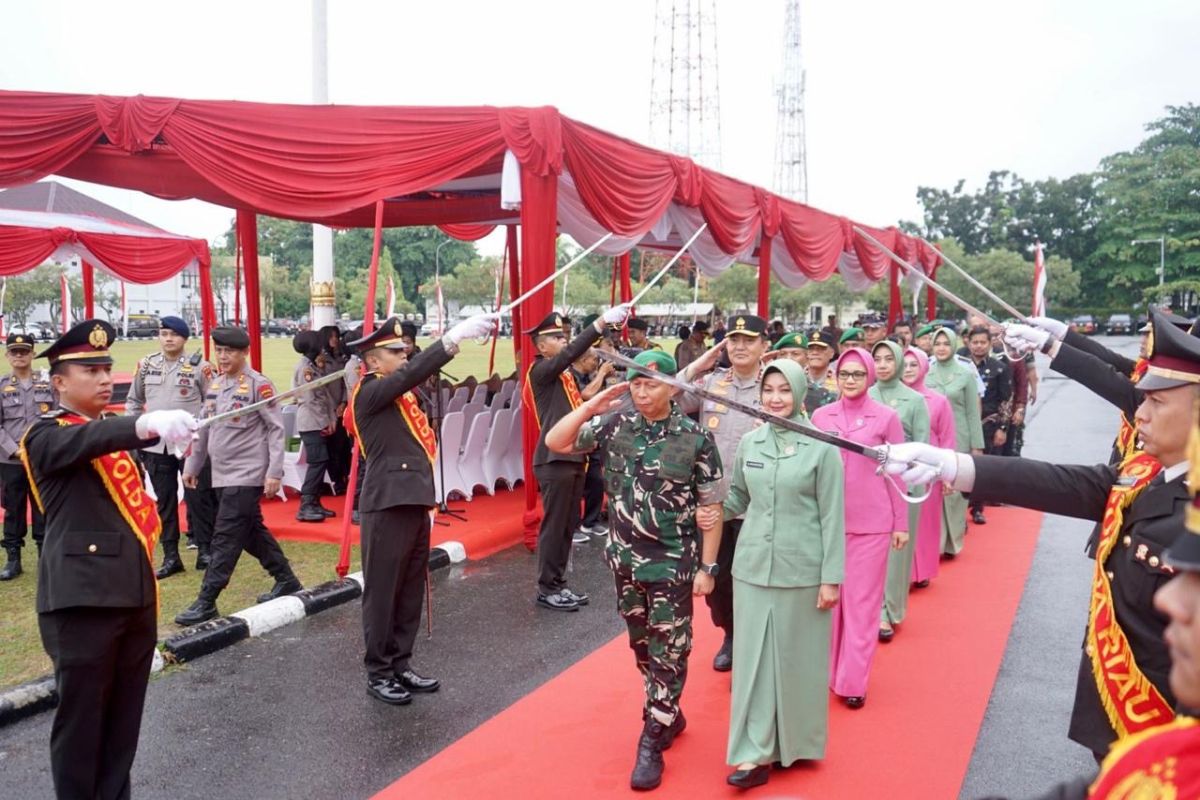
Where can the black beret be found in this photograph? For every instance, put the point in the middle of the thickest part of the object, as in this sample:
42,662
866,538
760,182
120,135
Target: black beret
638,324
231,337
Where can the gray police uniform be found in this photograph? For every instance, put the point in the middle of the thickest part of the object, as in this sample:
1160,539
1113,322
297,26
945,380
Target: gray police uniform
180,384
246,451
316,413
21,403
727,429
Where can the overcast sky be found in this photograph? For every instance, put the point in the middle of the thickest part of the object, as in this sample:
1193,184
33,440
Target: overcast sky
900,94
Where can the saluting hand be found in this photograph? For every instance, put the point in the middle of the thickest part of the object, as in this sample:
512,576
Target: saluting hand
706,362
607,400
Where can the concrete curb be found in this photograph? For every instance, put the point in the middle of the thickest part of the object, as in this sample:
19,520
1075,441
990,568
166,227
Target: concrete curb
39,695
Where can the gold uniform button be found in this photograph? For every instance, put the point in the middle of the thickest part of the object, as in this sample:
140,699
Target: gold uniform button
1127,541
1153,561
91,548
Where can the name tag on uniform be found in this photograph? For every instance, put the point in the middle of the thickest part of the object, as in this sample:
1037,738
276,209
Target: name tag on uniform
755,465
1126,480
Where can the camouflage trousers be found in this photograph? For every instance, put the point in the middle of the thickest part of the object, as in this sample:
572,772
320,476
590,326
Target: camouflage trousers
659,618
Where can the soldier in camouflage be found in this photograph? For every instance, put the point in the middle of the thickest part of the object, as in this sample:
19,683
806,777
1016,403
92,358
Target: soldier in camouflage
662,476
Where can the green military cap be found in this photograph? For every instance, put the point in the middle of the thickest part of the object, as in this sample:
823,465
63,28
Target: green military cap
925,330
855,334
654,360
795,339
590,319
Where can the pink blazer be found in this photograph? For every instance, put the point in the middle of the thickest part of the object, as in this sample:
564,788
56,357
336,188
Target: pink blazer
872,504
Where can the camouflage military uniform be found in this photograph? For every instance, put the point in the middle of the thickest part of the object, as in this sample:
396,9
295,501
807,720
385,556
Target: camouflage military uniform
656,474
817,396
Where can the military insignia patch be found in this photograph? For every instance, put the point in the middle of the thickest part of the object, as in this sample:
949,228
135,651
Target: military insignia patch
98,338
266,391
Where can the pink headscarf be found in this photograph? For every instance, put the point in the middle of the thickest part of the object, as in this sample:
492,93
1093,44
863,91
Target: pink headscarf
862,356
918,383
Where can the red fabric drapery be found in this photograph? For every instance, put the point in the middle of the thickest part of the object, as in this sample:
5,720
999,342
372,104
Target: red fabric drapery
89,290
466,232
247,230
764,278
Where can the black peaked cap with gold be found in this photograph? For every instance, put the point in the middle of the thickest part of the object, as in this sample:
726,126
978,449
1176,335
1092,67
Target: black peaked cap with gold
1173,356
389,335
85,343
553,323
747,325
19,340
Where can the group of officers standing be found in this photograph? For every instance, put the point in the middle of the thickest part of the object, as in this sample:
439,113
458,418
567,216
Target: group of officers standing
664,481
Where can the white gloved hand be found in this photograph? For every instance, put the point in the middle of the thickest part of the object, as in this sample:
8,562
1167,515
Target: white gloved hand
174,427
471,328
616,315
1051,326
919,464
1025,337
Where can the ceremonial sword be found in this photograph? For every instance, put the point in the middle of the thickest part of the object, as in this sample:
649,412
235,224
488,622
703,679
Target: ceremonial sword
877,454
670,264
550,278
273,399
994,297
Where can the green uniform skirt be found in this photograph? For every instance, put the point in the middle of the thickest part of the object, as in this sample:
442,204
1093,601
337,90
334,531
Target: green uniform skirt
954,522
899,572
780,703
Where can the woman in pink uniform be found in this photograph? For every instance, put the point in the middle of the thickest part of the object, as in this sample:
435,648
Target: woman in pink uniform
941,430
876,518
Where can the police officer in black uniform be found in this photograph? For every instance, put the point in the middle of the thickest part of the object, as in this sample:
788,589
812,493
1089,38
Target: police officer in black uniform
399,447
551,391
1135,566
24,395
96,595
996,404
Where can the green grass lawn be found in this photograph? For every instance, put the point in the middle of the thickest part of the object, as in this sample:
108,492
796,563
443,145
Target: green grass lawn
22,657
279,359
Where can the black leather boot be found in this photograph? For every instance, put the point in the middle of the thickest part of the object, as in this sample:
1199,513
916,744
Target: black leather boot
200,611
309,510
723,660
282,586
13,568
203,559
647,772
171,563
326,511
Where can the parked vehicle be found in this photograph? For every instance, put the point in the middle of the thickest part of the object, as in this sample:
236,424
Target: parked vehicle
285,327
1084,323
144,326
1119,325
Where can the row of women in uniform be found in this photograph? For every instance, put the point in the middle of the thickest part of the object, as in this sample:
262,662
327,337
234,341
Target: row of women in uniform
829,548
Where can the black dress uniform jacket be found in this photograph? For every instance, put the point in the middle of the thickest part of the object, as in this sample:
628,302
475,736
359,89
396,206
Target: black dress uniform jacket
1136,566
1122,364
91,557
1103,379
398,470
549,395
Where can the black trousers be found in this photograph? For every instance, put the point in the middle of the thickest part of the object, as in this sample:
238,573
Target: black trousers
240,527
16,498
561,484
164,470
316,453
989,449
395,557
338,445
720,599
102,660
593,490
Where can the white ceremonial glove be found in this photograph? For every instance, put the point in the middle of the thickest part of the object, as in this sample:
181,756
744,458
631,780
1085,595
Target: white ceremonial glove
919,464
1051,326
616,315
1023,338
173,426
471,328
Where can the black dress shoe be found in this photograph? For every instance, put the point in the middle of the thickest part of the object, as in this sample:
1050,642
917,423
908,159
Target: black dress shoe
13,568
749,778
327,512
388,690
558,601
855,702
202,561
978,518
200,611
172,566
281,587
309,511
921,584
887,634
723,661
415,683
579,597
355,519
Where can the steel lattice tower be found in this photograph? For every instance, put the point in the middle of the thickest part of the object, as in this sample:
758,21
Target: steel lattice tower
791,153
685,104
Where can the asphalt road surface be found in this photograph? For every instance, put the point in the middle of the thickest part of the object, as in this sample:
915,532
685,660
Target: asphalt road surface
287,714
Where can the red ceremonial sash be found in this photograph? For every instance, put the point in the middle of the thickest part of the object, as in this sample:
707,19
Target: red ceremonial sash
123,481
569,386
1157,764
410,411
1130,700
1127,434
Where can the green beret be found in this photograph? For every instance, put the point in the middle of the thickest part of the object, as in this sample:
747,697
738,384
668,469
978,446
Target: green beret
795,339
925,330
852,333
661,362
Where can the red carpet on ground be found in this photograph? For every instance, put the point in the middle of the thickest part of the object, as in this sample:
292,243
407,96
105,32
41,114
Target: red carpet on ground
575,736
492,523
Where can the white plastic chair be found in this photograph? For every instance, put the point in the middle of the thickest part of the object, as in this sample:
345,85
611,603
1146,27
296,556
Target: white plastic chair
496,452
470,463
469,412
514,462
447,460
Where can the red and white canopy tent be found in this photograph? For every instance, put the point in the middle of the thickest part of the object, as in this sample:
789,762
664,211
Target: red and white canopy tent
47,220
465,169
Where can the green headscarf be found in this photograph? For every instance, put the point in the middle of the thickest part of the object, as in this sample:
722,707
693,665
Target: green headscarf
796,378
907,402
941,373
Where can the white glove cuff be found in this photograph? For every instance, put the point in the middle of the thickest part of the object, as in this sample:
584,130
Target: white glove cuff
142,428
963,477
